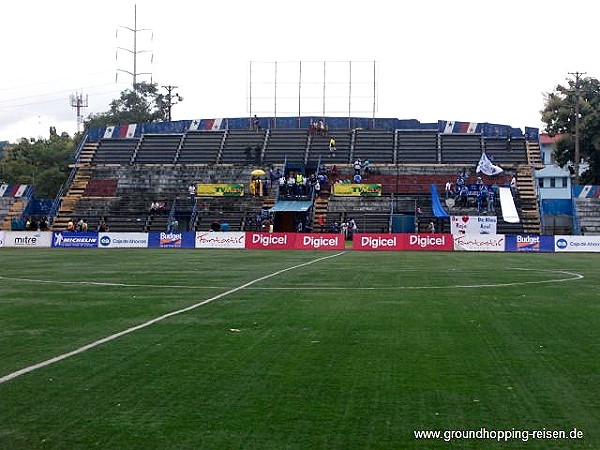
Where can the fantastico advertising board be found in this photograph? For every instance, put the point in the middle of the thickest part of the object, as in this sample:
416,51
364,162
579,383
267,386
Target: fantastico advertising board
210,239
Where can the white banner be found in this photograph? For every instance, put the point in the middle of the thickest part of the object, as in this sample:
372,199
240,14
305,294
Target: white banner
27,238
479,243
462,225
1,238
577,243
122,240
211,239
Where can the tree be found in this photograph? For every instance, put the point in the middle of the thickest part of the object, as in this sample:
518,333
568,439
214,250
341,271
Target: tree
559,116
141,105
43,163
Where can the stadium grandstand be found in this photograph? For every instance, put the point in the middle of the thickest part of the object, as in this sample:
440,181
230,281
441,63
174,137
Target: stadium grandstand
120,171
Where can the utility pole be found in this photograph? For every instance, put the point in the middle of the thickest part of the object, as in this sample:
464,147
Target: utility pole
134,52
171,100
577,156
79,102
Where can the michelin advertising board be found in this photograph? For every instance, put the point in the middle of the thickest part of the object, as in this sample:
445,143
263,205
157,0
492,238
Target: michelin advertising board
74,240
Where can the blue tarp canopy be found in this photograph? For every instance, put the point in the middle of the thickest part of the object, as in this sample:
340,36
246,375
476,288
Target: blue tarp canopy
291,205
436,205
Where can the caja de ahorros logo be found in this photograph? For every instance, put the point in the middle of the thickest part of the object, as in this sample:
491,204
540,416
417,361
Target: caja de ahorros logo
562,243
105,241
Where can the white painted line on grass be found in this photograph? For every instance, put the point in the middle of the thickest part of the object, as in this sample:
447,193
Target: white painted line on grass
571,277
112,337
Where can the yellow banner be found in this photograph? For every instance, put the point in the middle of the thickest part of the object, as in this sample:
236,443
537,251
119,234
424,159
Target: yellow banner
357,190
220,190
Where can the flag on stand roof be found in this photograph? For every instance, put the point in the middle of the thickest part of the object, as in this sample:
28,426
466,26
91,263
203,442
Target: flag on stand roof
486,166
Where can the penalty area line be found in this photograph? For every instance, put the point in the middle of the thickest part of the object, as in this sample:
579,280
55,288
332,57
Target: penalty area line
112,337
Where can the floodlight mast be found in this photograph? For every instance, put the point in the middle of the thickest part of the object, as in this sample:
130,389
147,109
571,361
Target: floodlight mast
134,52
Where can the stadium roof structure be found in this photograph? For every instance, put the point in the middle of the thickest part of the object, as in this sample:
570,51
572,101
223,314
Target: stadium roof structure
333,123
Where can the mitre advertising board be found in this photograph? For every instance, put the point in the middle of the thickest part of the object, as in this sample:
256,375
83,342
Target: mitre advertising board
27,239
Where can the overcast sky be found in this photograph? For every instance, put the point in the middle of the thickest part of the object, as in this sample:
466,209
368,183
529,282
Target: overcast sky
464,60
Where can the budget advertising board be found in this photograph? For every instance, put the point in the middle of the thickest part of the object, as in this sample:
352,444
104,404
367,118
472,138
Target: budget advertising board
577,243
27,239
64,239
209,239
473,225
480,242
122,240
171,240
529,243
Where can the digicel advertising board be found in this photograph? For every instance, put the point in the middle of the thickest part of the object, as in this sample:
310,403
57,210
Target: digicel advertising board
403,241
294,241
270,241
320,242
438,242
369,241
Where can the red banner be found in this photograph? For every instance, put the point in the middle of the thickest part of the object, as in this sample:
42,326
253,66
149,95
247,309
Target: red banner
403,241
443,242
377,241
270,241
320,242
294,241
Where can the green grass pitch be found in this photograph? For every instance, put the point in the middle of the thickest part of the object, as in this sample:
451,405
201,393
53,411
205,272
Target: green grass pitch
355,351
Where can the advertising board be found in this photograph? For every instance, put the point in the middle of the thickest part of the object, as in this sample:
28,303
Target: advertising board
479,242
529,243
122,240
209,239
171,240
64,239
577,243
27,239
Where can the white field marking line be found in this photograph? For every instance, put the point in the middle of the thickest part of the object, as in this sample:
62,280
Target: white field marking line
572,276
107,283
112,337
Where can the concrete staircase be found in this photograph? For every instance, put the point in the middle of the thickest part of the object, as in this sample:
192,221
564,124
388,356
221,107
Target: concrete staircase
77,188
69,201
320,208
527,202
15,210
534,154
